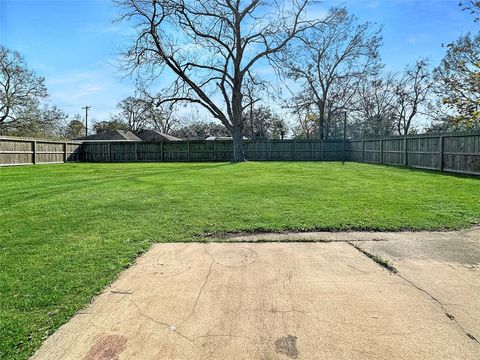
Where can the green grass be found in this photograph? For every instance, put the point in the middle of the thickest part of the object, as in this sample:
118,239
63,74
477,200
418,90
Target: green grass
67,230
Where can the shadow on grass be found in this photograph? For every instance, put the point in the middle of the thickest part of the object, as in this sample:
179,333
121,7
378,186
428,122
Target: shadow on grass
420,170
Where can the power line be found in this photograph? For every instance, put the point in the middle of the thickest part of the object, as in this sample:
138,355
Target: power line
86,118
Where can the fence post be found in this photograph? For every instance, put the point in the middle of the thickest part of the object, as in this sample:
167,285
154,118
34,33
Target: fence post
110,151
441,153
381,151
363,151
136,151
294,149
214,151
162,157
405,151
321,150
34,154
65,155
188,151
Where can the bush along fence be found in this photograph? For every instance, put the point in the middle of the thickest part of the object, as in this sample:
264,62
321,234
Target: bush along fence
23,151
458,153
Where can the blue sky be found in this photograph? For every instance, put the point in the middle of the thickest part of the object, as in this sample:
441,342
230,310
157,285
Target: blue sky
75,45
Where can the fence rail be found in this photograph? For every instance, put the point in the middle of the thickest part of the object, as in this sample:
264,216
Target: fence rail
459,153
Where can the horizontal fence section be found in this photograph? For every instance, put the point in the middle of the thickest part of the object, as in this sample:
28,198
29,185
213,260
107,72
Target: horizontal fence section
203,150
453,153
458,153
19,151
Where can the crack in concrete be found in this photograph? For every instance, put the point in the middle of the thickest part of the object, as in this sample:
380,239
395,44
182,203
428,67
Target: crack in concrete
274,311
167,325
393,270
201,288
174,329
222,335
377,259
170,275
442,306
209,254
122,292
199,294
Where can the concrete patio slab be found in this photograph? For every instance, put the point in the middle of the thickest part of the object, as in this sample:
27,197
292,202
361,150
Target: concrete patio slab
260,301
446,268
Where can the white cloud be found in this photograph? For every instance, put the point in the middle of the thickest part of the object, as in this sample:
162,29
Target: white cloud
117,28
101,88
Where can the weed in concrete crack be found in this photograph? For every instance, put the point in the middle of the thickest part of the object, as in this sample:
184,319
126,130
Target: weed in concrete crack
379,260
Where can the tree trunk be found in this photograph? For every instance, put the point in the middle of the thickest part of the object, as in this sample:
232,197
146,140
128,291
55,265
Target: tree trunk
238,151
321,124
237,121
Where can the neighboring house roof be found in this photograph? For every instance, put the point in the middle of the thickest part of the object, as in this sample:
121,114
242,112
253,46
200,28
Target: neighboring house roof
154,135
210,138
121,135
219,138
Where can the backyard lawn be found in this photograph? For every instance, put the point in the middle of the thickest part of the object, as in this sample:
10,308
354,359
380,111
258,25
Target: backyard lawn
67,230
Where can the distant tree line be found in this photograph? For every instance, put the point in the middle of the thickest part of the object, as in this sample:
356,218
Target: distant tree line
330,68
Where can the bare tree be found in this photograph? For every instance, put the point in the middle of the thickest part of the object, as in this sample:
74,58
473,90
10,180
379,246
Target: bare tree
195,129
305,123
374,114
331,61
411,94
112,124
160,117
75,127
263,123
133,112
211,48
254,89
36,120
473,7
19,86
163,119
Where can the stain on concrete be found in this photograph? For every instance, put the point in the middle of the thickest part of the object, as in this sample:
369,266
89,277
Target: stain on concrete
287,345
107,347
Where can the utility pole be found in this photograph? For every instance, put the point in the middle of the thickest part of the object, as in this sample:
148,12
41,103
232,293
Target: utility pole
86,119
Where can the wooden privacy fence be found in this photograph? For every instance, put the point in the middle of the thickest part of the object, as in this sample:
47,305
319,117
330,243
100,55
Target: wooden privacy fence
458,153
203,150
22,151
450,152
